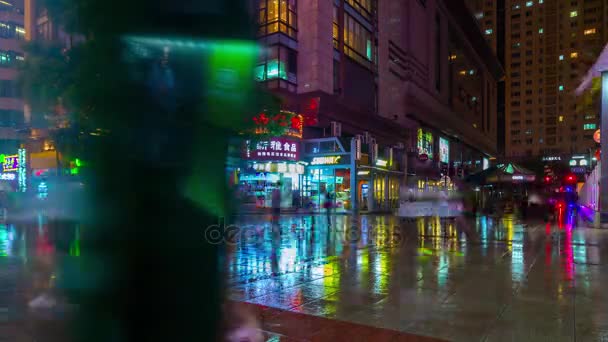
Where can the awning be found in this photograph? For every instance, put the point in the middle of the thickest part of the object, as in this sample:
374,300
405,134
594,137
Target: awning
502,173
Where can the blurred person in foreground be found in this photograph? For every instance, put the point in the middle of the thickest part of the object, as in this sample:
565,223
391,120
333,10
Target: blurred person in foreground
162,85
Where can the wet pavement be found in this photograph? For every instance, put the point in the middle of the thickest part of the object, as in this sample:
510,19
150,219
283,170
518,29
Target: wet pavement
486,279
373,278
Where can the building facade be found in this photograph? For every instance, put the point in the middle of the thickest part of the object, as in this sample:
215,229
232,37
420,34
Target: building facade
438,79
12,36
321,59
549,46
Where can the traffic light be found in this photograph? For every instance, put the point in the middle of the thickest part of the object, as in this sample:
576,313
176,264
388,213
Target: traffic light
547,179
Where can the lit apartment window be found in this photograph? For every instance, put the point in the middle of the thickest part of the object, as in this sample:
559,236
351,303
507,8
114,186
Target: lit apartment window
336,29
479,15
540,30
561,57
278,16
589,126
589,117
561,87
357,41
489,31
573,14
574,55
362,6
529,3
561,118
589,31
516,7
278,62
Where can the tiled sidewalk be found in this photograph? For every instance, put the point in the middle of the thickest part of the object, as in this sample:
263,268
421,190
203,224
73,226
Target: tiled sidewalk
284,325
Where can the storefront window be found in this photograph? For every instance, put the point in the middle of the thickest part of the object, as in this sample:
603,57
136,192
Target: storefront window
257,182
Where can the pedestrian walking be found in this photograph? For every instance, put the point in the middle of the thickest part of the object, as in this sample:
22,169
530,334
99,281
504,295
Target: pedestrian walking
328,205
276,203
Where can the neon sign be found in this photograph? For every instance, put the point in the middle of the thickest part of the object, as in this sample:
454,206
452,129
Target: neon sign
381,162
332,160
425,143
11,163
273,149
279,168
8,176
22,172
444,150
518,177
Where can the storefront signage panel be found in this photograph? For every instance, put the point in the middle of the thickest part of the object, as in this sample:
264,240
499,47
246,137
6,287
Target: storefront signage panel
327,160
8,176
11,163
279,168
444,150
274,149
552,158
425,142
381,163
578,169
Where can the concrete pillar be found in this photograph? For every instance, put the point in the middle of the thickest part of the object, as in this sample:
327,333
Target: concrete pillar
354,191
604,155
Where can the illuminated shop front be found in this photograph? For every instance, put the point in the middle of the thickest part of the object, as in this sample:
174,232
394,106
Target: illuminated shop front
337,167
328,174
379,186
266,163
258,180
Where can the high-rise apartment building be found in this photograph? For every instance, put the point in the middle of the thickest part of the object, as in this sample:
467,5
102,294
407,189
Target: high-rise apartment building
548,48
12,35
486,12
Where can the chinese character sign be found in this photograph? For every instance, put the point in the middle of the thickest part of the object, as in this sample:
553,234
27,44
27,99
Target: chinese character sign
273,149
22,171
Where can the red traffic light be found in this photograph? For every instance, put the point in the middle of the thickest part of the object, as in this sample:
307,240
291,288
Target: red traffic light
570,178
547,179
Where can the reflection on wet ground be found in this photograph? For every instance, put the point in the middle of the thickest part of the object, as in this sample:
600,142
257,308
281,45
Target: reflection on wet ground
485,279
490,279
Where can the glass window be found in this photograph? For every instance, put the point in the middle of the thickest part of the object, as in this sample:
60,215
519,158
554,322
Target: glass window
9,88
362,6
589,126
278,16
11,118
278,62
357,41
336,29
